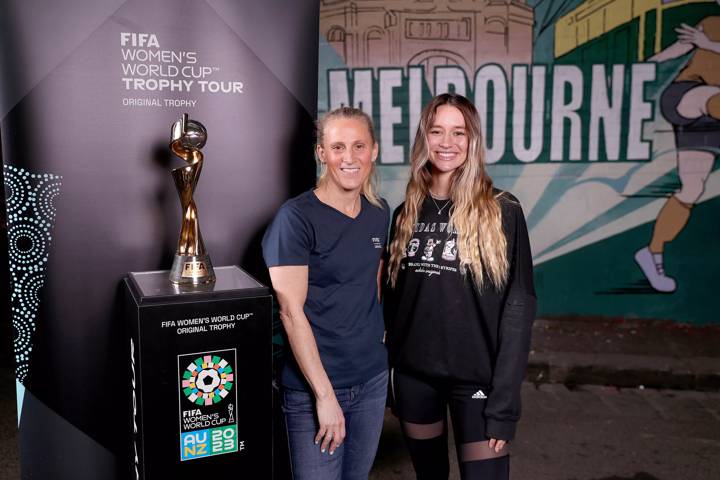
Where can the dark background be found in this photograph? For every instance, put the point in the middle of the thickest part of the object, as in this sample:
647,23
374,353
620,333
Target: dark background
118,211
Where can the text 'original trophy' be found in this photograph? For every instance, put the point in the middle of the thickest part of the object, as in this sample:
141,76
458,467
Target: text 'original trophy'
192,263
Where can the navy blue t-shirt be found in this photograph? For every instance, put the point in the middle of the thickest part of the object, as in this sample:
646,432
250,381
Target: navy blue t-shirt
342,255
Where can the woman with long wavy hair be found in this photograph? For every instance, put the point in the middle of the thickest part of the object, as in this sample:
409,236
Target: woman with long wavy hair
460,301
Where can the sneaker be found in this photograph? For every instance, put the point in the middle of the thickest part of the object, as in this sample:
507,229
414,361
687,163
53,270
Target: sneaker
654,271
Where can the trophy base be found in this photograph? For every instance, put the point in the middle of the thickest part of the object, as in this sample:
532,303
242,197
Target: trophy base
192,270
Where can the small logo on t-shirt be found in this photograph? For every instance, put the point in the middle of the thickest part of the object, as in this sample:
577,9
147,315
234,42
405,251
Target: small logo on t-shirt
479,395
450,250
428,251
377,242
413,247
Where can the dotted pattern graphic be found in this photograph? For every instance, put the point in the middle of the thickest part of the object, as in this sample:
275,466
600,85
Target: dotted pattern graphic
29,200
207,380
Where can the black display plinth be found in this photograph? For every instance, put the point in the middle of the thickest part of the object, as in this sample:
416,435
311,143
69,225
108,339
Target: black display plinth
201,377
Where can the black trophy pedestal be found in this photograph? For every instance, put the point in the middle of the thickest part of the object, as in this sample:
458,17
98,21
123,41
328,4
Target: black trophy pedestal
201,376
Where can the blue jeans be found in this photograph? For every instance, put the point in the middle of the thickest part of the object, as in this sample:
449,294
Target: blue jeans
363,406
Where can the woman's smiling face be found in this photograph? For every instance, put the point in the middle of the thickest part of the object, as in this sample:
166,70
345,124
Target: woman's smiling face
348,151
447,140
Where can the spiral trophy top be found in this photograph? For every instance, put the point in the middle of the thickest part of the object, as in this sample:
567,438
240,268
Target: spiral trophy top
192,264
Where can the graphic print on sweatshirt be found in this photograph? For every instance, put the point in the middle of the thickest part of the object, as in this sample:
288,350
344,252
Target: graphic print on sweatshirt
432,250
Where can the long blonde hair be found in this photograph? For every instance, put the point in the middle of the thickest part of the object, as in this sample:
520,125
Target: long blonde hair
475,213
369,189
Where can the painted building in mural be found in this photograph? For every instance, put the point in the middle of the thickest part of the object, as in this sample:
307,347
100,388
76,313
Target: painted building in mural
464,33
577,101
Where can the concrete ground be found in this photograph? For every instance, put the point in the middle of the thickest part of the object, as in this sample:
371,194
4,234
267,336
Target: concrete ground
596,406
597,433
588,433
625,353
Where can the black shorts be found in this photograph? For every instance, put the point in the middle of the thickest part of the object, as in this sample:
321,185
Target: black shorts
425,400
701,133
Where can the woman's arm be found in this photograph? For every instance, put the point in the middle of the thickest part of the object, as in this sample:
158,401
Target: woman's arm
503,405
688,38
677,49
291,284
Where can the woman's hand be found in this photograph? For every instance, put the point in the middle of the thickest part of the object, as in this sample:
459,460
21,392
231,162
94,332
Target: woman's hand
694,36
496,445
332,423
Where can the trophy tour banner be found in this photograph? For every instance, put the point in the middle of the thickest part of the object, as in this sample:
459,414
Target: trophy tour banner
89,91
601,116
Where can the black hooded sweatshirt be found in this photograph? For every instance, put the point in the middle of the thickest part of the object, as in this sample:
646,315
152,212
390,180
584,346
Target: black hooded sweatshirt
441,325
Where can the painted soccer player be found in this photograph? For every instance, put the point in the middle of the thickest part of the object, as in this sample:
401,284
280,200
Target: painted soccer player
691,103
461,300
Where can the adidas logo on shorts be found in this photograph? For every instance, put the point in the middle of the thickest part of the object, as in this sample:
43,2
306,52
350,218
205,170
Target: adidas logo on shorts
479,395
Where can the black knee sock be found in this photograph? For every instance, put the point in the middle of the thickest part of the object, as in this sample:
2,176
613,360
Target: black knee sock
429,457
490,469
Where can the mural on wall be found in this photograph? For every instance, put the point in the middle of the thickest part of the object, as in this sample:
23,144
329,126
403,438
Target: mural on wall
601,116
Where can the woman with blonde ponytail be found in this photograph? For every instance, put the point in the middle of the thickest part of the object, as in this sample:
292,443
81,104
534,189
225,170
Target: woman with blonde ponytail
460,300
324,251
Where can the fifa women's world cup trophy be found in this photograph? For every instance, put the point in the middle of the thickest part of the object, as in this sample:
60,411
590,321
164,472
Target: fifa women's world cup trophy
192,263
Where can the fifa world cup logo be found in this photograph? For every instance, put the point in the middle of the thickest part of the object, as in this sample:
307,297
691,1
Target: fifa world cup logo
192,263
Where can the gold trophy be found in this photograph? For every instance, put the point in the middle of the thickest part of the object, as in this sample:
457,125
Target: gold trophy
192,263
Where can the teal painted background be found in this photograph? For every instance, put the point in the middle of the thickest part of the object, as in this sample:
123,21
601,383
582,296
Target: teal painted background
586,218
